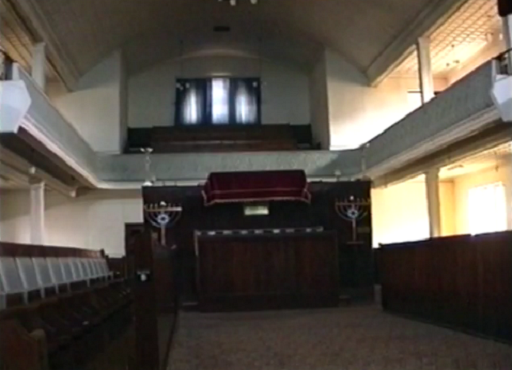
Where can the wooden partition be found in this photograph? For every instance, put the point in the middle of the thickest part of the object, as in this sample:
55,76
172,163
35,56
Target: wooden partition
32,250
155,296
272,271
461,281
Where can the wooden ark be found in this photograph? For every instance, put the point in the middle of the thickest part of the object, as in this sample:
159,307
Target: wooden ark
301,259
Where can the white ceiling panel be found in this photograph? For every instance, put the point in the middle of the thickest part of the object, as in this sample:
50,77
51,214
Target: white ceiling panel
296,30
461,38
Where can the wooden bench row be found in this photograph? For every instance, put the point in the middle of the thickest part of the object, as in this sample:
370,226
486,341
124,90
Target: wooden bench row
62,310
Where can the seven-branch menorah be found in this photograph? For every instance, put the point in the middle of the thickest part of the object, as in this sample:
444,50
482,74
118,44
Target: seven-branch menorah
162,216
353,210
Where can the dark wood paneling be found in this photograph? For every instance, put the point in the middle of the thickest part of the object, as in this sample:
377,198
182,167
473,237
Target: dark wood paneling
461,281
356,267
156,299
221,138
145,306
29,148
267,271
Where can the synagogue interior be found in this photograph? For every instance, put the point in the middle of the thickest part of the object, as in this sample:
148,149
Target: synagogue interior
255,184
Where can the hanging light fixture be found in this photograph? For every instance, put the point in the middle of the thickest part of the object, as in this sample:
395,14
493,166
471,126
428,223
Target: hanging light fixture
235,2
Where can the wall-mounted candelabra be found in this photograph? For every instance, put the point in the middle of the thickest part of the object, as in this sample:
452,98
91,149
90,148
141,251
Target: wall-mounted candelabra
162,216
353,210
150,178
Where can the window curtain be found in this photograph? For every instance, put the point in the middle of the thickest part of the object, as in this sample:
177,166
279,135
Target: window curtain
190,101
217,101
487,209
246,101
220,101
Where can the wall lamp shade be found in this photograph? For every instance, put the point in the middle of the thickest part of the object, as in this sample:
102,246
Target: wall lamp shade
14,105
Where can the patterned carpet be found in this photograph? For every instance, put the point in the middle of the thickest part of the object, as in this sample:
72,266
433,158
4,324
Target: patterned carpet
355,338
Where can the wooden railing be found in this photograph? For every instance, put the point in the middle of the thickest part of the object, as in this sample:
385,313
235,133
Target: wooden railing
461,281
184,139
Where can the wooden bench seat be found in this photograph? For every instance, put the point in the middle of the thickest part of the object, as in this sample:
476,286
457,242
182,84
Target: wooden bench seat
62,307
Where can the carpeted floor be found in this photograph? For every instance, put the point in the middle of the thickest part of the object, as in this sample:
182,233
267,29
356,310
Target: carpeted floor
355,338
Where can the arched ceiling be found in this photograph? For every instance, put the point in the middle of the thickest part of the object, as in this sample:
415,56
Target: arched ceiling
150,31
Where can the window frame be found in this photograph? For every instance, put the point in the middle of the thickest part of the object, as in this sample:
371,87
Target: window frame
473,210
207,110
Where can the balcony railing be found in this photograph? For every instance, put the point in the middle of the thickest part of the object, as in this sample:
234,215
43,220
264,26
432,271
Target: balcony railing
452,114
462,107
50,123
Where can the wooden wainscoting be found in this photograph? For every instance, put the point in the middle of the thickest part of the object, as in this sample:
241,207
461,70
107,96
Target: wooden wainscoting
272,271
461,281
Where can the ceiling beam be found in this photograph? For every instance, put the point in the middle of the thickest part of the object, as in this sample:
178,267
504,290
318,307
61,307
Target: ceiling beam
472,146
20,169
13,175
23,34
38,26
434,15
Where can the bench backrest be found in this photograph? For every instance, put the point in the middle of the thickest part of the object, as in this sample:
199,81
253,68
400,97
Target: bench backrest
33,271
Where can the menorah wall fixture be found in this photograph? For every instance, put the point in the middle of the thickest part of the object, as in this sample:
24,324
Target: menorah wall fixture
353,210
162,216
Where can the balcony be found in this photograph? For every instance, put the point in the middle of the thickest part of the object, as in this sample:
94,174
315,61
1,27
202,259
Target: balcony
36,126
458,112
462,110
60,142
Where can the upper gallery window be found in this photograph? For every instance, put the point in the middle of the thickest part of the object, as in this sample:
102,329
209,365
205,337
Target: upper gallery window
487,209
218,101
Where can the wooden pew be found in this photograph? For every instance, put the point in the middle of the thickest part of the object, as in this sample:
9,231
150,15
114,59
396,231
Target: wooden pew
223,139
460,281
61,309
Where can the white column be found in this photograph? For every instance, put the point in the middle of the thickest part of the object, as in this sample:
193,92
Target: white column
37,224
507,30
425,69
433,202
39,64
507,36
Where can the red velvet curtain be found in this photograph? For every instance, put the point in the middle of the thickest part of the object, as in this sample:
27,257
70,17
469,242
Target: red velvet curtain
243,187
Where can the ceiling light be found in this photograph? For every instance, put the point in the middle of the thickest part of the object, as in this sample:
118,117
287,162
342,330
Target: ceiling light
235,2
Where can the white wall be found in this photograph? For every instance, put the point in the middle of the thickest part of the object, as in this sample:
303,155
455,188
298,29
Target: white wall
400,212
319,103
94,221
96,108
151,94
358,112
501,172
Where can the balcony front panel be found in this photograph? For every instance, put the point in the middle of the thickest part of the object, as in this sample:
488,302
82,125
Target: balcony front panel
48,121
467,98
197,166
